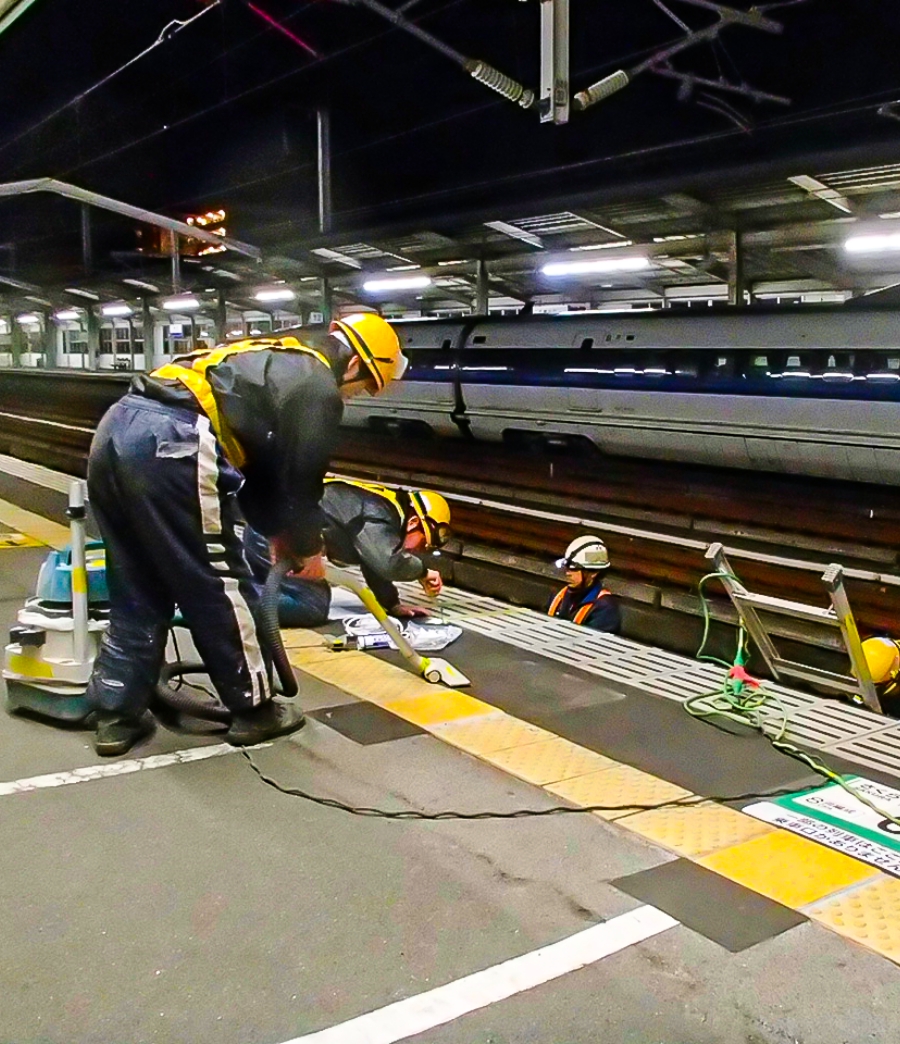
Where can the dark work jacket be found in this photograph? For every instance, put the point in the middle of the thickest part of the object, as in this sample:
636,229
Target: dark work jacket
361,528
605,615
285,409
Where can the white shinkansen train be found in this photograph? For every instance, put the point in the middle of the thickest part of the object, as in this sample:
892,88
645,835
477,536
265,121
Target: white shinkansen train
813,391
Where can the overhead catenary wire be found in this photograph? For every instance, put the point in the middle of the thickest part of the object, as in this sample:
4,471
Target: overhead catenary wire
167,33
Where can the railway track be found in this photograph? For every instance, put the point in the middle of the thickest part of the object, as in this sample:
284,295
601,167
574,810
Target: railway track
516,507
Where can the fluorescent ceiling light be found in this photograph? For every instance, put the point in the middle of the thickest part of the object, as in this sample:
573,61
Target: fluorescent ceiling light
283,293
601,246
514,232
28,319
141,285
336,255
403,268
82,293
181,304
873,244
410,283
621,264
67,315
116,310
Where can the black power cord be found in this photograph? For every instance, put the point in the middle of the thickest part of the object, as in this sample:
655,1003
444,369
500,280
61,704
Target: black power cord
521,813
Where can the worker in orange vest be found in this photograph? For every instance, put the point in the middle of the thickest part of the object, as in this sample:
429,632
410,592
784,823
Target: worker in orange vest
584,599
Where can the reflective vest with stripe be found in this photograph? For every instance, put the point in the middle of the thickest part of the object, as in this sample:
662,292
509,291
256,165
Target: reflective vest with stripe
372,487
190,370
583,612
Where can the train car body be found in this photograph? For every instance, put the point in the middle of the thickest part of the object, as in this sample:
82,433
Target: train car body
813,391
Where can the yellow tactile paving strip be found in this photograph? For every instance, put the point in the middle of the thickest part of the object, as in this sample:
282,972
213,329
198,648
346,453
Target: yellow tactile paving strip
782,866
841,893
35,526
869,915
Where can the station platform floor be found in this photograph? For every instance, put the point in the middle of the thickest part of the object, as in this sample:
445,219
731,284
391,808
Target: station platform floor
171,895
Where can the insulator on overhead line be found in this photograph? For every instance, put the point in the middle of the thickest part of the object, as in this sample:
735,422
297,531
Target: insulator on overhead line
602,89
501,83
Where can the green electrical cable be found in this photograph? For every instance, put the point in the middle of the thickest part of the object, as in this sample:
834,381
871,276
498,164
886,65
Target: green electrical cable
746,707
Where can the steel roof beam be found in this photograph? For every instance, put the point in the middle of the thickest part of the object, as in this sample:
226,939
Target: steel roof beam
146,217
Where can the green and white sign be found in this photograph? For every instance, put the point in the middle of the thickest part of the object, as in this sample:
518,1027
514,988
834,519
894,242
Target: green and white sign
833,817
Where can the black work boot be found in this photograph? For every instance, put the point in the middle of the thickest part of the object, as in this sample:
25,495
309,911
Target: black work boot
268,720
118,733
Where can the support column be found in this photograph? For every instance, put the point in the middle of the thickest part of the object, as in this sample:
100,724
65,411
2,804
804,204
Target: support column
323,124
17,340
148,325
93,336
221,317
327,300
50,341
736,281
482,289
176,261
87,243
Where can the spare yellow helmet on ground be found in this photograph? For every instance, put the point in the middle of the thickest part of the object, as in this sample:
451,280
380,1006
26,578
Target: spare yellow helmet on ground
375,342
434,514
883,658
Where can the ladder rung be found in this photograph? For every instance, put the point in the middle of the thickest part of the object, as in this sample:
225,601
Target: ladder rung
798,609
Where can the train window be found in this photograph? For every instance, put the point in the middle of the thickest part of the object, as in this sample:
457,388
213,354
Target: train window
448,343
629,337
722,365
480,339
835,366
587,344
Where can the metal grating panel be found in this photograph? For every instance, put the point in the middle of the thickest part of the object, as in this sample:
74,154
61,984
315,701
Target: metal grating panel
557,224
850,732
864,179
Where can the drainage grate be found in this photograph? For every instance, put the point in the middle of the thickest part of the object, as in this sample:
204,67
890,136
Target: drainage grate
820,724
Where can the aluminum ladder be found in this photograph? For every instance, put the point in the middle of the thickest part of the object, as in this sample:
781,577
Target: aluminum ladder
857,683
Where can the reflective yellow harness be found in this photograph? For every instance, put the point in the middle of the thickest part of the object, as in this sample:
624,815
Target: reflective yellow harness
371,487
191,371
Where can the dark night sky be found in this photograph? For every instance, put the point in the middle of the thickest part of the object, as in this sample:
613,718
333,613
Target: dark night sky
413,135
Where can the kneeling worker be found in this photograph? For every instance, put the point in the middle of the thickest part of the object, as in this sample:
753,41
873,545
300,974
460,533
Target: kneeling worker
382,530
584,599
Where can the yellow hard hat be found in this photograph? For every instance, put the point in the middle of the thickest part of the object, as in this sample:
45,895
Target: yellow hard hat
434,514
374,341
883,657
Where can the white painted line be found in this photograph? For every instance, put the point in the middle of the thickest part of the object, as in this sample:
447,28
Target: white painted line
437,1007
119,768
35,473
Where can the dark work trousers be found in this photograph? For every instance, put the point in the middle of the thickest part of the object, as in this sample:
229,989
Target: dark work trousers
303,603
165,500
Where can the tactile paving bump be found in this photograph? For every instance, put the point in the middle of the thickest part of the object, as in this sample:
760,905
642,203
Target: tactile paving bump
619,786
492,732
787,868
547,761
437,705
696,830
869,915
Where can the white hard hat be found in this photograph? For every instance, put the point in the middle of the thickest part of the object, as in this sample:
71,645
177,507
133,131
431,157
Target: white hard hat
586,552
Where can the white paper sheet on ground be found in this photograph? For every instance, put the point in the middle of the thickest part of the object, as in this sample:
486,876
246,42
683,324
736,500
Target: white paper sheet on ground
344,603
422,637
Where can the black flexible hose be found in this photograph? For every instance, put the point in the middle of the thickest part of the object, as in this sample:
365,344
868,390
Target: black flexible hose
189,703
268,613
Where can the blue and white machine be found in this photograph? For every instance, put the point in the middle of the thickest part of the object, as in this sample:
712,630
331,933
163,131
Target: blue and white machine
52,646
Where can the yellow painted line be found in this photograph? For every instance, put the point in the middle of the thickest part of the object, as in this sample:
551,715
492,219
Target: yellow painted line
9,541
870,915
547,761
789,869
697,830
782,866
617,785
499,731
36,526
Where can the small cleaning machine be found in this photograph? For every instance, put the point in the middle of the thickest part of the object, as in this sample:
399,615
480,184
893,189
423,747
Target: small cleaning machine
52,646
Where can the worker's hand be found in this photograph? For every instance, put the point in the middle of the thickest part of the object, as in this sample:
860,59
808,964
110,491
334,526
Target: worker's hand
313,568
432,584
408,612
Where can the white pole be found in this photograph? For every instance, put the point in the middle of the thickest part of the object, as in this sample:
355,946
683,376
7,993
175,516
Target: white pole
76,515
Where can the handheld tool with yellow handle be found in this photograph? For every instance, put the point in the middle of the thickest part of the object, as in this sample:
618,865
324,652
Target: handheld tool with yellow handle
431,668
